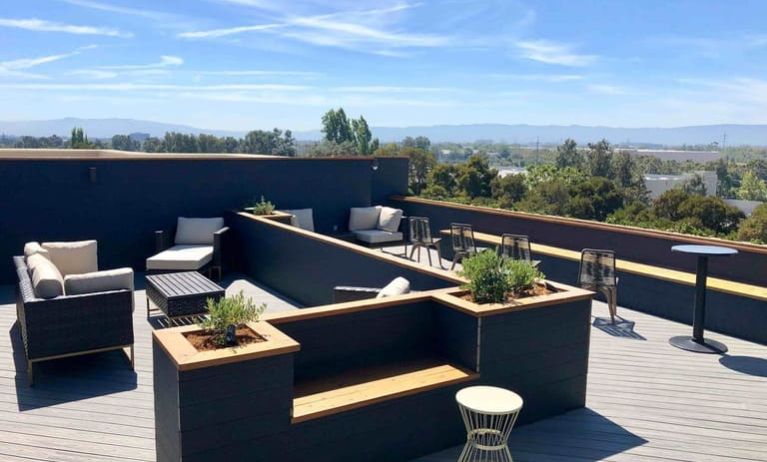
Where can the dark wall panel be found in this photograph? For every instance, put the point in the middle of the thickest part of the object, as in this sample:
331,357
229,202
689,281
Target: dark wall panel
49,200
750,267
306,269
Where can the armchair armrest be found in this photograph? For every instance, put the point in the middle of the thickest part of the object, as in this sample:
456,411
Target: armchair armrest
350,294
218,243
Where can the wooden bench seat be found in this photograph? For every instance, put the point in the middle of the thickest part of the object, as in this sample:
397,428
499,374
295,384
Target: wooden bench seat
680,277
355,389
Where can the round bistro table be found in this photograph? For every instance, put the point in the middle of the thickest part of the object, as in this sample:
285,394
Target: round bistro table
489,414
697,342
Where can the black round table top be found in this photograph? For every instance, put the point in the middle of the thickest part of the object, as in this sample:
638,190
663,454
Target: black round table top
705,250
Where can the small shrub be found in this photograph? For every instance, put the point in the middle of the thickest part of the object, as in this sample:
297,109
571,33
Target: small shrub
229,311
754,228
522,275
488,282
262,207
492,279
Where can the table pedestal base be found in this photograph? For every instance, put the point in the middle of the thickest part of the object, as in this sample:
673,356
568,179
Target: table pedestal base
686,342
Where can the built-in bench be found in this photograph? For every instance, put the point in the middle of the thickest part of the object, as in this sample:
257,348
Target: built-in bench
734,308
347,391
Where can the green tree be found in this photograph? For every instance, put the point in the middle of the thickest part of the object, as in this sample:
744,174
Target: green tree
508,190
594,199
421,163
695,185
752,188
331,149
420,142
125,143
599,159
444,177
568,155
79,140
475,176
363,138
725,181
336,127
754,228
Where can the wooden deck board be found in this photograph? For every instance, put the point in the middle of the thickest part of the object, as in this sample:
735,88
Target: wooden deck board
647,401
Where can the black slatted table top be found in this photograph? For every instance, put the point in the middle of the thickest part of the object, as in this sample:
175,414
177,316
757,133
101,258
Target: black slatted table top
183,284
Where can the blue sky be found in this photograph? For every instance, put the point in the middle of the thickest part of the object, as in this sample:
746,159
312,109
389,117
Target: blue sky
243,64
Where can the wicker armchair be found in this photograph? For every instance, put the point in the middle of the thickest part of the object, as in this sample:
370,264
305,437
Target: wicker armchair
170,257
71,325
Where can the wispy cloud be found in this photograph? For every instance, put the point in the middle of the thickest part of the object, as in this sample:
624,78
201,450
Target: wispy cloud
261,73
554,78
390,89
117,9
549,52
41,25
609,90
165,61
128,86
361,30
14,68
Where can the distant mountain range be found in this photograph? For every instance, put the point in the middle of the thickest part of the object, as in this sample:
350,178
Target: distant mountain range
524,134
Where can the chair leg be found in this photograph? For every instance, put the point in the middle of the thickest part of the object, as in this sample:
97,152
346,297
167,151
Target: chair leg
132,357
30,374
419,254
456,258
412,252
428,254
613,303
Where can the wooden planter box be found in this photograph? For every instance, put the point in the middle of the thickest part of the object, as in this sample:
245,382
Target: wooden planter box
206,400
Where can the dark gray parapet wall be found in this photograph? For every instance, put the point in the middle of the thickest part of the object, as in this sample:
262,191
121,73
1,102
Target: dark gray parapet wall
121,198
633,244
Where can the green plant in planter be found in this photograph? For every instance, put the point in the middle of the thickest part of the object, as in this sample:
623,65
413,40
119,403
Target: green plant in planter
262,207
492,278
522,275
225,314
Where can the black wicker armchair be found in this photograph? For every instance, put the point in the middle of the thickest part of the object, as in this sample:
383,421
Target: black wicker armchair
163,241
71,325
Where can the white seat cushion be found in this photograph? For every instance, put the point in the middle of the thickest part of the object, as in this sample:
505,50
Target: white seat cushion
31,248
361,218
47,281
181,257
100,281
197,231
398,286
73,257
389,219
377,236
302,218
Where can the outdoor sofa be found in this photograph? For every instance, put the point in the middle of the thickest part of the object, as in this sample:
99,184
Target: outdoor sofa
66,307
376,225
197,246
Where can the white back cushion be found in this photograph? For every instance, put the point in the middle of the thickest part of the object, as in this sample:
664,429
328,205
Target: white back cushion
47,281
302,218
389,219
398,286
100,281
361,218
73,257
31,248
196,231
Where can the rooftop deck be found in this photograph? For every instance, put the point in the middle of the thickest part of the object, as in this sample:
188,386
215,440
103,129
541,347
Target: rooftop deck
646,400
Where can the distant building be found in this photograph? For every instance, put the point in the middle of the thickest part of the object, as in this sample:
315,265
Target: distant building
658,184
678,155
503,171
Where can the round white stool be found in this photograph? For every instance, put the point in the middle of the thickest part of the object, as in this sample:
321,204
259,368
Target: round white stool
489,414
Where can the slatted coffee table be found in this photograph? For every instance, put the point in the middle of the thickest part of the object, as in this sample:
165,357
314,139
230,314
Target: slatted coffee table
180,295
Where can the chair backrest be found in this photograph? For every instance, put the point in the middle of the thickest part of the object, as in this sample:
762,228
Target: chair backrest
420,231
515,246
462,237
597,268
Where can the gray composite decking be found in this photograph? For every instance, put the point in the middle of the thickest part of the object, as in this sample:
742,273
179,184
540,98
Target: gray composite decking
647,401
